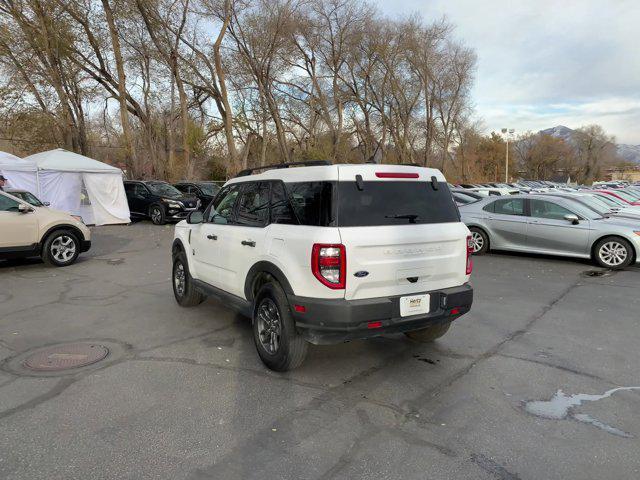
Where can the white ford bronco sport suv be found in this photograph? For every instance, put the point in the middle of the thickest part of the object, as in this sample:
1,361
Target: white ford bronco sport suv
327,253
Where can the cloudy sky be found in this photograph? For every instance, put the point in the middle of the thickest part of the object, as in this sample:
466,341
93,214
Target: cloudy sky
544,63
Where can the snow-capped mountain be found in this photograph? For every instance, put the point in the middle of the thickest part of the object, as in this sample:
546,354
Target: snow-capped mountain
565,133
631,153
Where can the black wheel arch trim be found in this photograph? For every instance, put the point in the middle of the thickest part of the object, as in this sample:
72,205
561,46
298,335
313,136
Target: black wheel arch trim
270,268
155,204
177,246
53,229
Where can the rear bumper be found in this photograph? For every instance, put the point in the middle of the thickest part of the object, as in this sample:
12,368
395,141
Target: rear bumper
335,321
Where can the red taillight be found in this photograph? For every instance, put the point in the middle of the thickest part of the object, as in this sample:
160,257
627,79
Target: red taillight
469,255
397,175
329,264
372,325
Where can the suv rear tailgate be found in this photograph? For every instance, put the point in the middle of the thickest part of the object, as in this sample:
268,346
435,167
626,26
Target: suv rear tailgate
401,230
404,260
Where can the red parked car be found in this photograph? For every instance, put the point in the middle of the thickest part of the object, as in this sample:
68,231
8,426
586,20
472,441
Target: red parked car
622,195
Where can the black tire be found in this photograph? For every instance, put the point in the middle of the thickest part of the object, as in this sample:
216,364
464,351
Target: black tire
290,348
157,215
185,292
429,334
613,252
480,239
61,248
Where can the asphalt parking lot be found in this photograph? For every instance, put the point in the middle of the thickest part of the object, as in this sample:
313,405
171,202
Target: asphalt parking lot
520,388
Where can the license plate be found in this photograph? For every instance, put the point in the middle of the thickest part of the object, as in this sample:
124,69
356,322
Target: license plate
414,305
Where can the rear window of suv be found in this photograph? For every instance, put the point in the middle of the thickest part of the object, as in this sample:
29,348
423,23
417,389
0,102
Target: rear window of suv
394,203
342,204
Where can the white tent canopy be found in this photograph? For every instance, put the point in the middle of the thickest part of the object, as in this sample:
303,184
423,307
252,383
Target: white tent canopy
62,160
72,183
11,162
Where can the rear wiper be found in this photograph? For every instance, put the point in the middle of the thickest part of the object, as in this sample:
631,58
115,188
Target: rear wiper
411,218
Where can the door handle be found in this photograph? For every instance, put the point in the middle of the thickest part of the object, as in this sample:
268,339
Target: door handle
212,237
248,243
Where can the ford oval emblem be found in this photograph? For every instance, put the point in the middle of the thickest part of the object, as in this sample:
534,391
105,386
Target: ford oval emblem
361,274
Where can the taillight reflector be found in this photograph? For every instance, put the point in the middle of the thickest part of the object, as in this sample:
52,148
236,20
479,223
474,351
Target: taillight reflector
329,264
300,308
469,255
374,325
454,311
397,175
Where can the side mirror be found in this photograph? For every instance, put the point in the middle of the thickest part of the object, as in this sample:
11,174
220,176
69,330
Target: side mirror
195,217
570,217
22,208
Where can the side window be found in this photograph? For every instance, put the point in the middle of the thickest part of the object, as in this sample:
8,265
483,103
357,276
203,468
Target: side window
513,206
281,211
490,207
221,210
183,188
544,209
129,188
7,204
253,206
312,202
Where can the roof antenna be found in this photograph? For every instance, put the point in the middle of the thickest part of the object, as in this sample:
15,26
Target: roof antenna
434,183
359,182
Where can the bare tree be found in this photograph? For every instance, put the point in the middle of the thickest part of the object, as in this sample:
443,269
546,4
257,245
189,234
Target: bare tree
197,87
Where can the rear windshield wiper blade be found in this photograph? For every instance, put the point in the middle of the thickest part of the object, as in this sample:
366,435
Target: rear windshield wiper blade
411,218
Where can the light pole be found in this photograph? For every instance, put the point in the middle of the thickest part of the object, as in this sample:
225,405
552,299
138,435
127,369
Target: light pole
507,132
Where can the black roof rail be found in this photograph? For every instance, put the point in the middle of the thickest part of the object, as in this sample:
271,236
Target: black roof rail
307,163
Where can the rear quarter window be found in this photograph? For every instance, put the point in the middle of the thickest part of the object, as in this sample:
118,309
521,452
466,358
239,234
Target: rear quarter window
312,202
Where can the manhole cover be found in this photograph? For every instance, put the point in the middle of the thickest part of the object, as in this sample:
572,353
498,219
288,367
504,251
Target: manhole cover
597,273
64,357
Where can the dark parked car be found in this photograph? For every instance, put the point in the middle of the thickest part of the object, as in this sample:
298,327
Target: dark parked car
159,201
205,191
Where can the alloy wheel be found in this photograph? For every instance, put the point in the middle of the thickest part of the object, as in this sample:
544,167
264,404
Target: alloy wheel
156,215
269,326
613,253
477,241
63,248
179,279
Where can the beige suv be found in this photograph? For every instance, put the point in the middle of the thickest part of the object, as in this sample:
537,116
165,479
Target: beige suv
30,231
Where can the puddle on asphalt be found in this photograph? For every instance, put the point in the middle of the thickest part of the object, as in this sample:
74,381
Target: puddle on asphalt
597,273
561,406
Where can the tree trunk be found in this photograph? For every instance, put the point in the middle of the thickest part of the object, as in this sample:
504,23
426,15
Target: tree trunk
131,157
226,113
